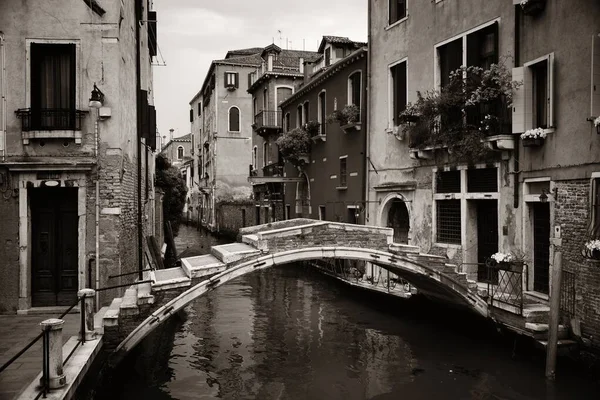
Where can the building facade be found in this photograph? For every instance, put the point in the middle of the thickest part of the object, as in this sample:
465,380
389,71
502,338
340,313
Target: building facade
329,185
179,150
279,76
221,124
75,179
533,201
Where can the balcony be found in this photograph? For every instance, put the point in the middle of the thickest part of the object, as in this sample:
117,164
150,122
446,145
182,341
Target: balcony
272,173
267,123
321,133
50,123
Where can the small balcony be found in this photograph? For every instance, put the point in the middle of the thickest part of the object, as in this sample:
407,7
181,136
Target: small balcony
50,123
267,122
272,173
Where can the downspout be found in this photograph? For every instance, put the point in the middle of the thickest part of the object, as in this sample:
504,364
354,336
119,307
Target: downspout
138,87
366,181
97,272
517,51
3,98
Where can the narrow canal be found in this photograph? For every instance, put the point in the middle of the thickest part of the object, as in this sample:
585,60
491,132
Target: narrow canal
289,333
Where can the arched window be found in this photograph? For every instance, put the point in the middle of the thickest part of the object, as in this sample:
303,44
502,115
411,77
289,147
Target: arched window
234,119
180,153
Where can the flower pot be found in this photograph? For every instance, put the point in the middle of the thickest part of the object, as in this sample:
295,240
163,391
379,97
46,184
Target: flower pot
513,266
304,158
501,142
531,142
533,7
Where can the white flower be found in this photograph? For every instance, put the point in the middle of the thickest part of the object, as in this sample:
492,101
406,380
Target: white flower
502,257
593,245
524,3
537,133
597,122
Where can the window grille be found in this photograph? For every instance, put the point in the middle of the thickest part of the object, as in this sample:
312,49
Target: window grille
448,182
482,180
448,221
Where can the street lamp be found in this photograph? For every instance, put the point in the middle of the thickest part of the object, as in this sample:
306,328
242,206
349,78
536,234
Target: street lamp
97,98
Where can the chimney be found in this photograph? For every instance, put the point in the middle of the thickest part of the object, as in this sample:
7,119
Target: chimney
301,67
307,66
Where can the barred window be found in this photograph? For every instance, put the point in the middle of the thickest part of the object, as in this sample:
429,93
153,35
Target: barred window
448,182
448,221
482,180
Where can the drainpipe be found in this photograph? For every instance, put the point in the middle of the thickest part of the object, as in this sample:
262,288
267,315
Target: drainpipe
367,130
138,87
3,97
97,273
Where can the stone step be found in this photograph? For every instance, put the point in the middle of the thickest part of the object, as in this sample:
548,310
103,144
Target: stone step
537,313
462,278
111,316
228,253
129,305
202,266
169,278
144,294
449,269
472,285
540,331
564,346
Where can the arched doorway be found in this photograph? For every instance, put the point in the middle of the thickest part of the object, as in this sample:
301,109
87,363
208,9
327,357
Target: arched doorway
397,217
303,208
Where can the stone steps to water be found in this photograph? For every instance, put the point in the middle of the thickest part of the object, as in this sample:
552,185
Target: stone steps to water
111,316
129,304
170,278
536,313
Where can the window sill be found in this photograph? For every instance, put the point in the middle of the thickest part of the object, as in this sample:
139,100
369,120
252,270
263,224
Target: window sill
341,188
63,134
396,23
447,245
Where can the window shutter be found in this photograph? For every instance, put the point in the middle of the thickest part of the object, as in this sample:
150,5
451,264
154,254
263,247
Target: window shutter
151,139
152,34
518,106
144,114
551,91
595,103
191,115
249,80
237,80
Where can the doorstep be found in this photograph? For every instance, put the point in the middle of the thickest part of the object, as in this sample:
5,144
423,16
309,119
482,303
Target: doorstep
47,310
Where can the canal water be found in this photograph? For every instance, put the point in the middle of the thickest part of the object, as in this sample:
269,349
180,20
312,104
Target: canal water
290,333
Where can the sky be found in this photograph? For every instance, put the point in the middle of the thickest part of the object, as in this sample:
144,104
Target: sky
192,33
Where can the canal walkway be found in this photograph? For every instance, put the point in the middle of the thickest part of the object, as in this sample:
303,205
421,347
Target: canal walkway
16,331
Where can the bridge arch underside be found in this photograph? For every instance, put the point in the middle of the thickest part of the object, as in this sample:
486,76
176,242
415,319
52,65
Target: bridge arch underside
424,278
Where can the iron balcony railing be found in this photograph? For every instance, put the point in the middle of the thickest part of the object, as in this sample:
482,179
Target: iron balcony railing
273,170
50,119
267,119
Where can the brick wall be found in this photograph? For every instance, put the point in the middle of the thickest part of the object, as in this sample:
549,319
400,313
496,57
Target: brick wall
571,212
230,216
587,299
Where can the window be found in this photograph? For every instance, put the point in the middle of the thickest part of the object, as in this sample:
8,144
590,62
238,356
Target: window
265,99
305,114
254,107
180,152
199,109
231,80
299,116
343,176
234,119
265,154
398,88
354,89
322,113
397,10
328,56
533,103
322,213
191,115
448,221
254,159
595,214
287,123
288,211
53,86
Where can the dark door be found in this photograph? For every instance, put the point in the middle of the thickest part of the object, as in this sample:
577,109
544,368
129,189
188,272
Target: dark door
541,247
399,221
352,218
54,235
257,215
487,238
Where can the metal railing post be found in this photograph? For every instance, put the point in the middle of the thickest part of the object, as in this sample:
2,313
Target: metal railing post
53,376
86,331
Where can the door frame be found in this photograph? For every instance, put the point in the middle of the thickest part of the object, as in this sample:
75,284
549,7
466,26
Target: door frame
529,199
28,179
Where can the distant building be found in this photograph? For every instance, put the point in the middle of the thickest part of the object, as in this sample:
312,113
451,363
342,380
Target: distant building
330,184
76,180
279,76
221,124
178,150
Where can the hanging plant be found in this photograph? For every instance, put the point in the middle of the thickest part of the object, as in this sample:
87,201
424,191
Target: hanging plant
294,145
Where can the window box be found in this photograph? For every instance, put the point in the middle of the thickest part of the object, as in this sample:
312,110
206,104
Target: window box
351,127
531,142
316,138
422,154
500,142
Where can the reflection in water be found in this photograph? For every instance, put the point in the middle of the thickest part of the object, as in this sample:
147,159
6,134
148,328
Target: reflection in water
288,333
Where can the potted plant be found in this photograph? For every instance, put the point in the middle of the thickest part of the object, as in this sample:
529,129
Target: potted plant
312,128
294,146
348,117
533,137
591,250
597,125
507,262
532,7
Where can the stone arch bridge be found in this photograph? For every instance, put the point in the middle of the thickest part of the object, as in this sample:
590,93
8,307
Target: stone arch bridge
144,307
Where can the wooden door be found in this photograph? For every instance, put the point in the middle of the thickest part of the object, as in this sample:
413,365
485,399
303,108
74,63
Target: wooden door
54,223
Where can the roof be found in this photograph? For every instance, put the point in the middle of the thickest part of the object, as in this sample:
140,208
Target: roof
340,40
243,52
184,138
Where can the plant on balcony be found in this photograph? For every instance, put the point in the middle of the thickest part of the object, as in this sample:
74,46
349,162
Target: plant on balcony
473,105
348,115
294,145
597,124
591,249
312,128
508,261
533,137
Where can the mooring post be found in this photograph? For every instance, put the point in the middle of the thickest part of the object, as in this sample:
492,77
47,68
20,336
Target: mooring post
87,297
552,349
53,353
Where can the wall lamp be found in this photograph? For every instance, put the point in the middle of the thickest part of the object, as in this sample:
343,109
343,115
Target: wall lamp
97,98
